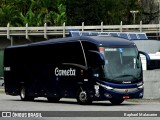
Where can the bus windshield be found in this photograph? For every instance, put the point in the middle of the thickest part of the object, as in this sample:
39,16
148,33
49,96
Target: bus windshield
122,65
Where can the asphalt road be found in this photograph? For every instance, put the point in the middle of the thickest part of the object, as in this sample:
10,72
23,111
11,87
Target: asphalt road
13,103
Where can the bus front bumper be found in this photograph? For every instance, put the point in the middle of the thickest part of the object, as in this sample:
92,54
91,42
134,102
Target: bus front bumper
112,94
107,92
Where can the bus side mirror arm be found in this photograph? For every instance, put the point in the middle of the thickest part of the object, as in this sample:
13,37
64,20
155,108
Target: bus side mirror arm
98,57
147,57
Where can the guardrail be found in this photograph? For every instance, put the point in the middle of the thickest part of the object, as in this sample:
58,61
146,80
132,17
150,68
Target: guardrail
64,30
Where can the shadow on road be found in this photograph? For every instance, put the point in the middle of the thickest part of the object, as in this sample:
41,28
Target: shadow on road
74,102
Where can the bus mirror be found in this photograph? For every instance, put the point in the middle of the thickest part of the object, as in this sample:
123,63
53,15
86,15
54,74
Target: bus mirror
146,55
97,57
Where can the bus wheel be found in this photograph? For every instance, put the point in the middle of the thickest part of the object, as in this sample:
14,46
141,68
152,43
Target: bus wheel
116,101
53,99
82,98
24,96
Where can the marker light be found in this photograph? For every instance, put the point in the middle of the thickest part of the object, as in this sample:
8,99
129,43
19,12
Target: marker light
101,49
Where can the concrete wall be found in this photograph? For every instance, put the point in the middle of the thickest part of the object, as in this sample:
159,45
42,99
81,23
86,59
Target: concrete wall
148,46
151,84
18,40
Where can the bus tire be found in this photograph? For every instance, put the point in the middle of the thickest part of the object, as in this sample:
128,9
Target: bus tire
82,98
116,101
24,96
53,99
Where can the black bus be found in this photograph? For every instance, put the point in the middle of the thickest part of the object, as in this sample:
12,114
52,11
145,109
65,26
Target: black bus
88,68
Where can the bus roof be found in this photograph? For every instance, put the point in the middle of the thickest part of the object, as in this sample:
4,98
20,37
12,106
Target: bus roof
98,40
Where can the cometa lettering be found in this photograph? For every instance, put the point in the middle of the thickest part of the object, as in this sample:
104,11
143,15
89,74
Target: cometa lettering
68,72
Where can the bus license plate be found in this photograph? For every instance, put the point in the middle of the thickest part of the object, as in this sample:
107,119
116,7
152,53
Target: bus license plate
125,97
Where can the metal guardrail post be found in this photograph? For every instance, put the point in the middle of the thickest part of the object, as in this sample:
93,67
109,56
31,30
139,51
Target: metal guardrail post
45,30
121,27
159,27
8,31
82,26
64,35
11,40
101,26
27,37
140,27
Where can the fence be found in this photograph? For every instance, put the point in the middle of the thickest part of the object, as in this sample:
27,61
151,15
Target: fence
63,30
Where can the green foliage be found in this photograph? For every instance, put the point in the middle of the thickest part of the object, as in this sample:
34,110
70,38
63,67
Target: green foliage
92,12
8,14
73,12
79,11
33,12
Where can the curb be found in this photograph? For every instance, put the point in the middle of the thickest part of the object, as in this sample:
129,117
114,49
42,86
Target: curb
1,90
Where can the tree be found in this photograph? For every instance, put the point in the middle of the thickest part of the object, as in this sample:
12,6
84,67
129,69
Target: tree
79,11
92,12
60,17
150,11
74,12
33,12
53,12
126,7
8,14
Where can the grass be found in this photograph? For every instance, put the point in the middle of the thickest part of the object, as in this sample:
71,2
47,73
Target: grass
133,100
143,100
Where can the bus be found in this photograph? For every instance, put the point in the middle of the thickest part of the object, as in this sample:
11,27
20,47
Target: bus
86,68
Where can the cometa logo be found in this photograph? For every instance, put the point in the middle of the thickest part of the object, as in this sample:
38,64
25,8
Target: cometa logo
68,72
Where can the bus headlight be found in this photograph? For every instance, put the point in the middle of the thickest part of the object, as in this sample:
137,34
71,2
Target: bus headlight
140,85
105,86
